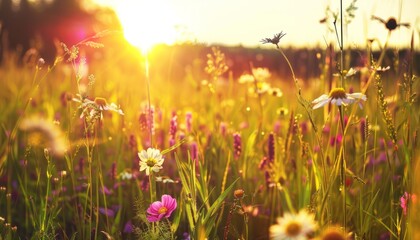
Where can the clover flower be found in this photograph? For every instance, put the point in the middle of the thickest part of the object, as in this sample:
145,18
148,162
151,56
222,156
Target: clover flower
161,209
151,160
338,97
293,226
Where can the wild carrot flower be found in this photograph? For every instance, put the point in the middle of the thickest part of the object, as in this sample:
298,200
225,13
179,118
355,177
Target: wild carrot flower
338,97
293,226
275,40
161,209
151,159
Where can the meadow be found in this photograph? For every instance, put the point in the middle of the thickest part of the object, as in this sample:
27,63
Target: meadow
104,142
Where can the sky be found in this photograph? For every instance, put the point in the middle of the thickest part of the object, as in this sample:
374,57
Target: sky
246,22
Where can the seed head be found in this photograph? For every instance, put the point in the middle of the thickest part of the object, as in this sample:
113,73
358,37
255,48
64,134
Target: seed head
275,40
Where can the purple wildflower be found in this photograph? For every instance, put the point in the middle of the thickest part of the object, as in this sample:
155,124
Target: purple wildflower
188,121
237,145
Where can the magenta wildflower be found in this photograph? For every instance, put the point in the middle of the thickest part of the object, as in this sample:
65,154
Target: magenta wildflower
223,128
237,145
271,148
173,126
161,209
407,199
151,119
173,129
194,151
188,121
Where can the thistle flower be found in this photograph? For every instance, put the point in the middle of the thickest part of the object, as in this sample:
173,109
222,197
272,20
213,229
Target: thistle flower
151,159
275,40
391,23
338,97
293,226
161,209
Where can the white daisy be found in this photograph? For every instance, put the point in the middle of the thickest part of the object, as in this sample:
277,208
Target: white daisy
338,97
293,226
151,159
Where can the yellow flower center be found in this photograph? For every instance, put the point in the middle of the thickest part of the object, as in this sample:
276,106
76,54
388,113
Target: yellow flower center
338,93
100,101
333,234
293,229
162,210
151,162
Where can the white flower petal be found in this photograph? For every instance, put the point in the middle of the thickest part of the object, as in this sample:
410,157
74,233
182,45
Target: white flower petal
323,97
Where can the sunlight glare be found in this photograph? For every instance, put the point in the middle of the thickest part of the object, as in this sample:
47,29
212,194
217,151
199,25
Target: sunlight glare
146,23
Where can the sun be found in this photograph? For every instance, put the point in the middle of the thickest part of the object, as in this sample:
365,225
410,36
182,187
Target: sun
145,22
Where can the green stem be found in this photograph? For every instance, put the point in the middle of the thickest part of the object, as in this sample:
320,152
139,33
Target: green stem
343,168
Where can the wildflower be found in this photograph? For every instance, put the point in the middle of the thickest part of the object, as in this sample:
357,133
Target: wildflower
150,160
259,88
45,134
275,40
407,199
246,78
188,121
334,233
275,92
338,97
93,109
194,151
238,193
237,145
293,226
161,209
391,24
261,74
172,129
271,147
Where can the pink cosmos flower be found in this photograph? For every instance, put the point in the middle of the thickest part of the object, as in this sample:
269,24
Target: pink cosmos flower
161,209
